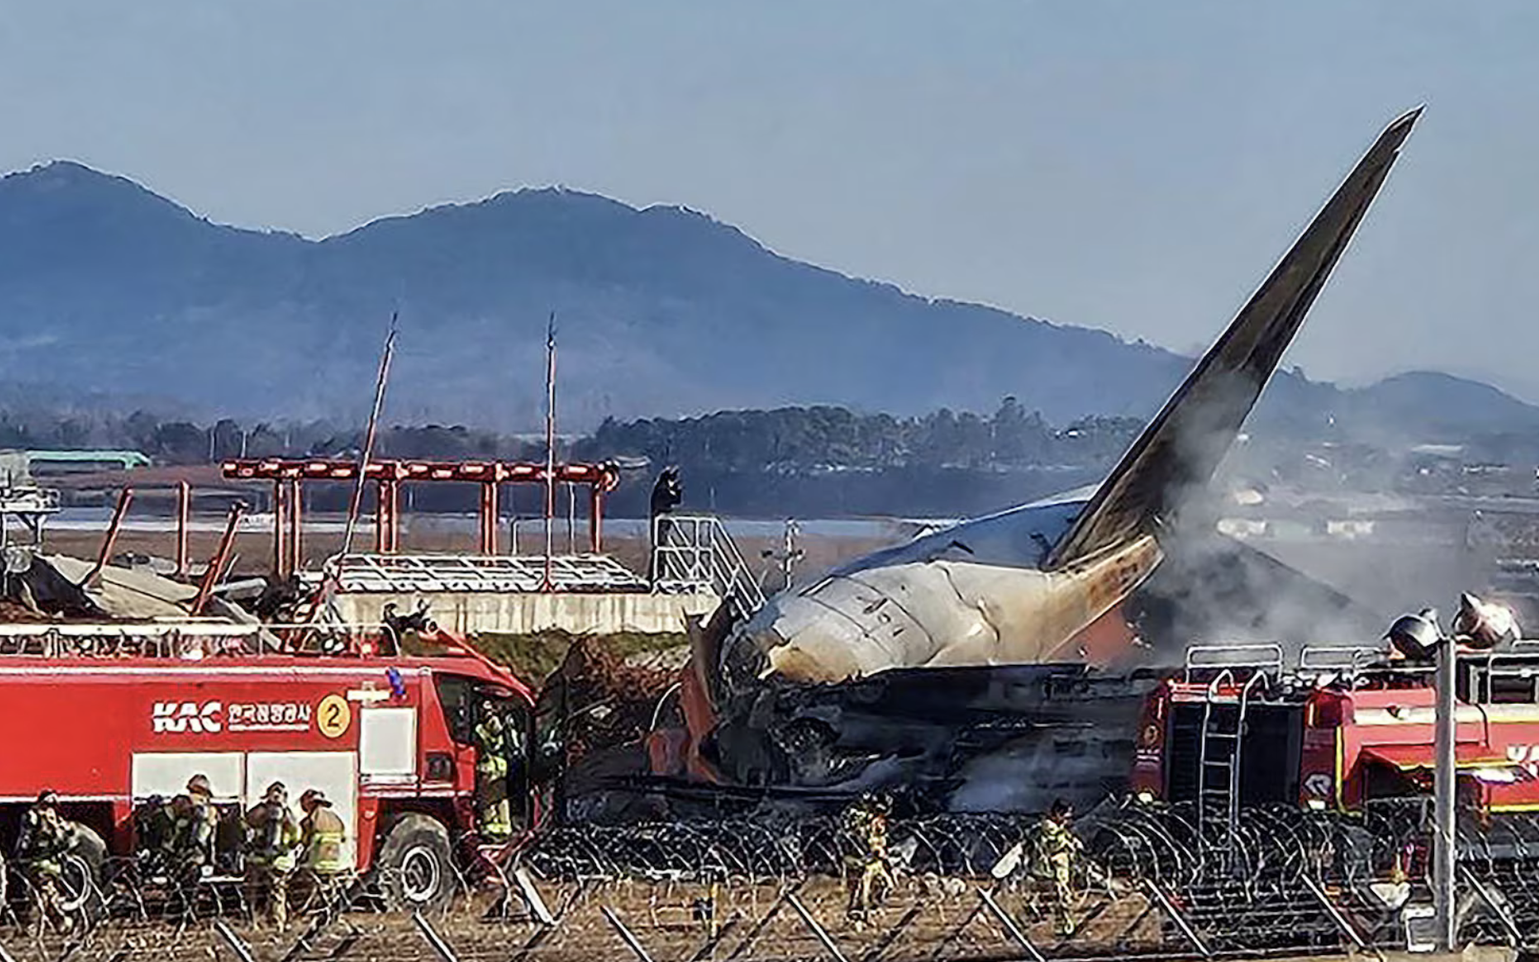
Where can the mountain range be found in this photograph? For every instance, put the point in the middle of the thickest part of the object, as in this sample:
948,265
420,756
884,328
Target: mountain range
110,290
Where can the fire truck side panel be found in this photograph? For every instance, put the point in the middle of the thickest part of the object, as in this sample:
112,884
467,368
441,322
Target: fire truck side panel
67,736
1362,744
1393,719
166,774
373,737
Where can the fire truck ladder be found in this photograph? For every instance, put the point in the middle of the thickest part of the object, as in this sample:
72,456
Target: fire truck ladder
1220,753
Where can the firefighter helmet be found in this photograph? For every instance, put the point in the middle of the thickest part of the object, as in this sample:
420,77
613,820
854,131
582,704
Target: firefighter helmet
313,797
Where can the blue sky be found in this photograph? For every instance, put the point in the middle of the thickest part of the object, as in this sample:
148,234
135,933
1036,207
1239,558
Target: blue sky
1130,166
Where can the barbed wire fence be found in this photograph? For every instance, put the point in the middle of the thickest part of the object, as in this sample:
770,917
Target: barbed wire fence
1151,885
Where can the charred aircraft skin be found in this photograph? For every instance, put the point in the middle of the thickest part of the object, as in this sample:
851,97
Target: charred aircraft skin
1012,737
1016,587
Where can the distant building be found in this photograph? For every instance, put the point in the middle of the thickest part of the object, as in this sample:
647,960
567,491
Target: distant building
40,463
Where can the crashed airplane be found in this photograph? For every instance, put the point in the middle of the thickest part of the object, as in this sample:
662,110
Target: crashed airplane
856,678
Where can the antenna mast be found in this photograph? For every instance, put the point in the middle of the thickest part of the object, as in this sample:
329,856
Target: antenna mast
550,441
368,439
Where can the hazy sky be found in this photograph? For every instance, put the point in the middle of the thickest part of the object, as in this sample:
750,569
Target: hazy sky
1131,166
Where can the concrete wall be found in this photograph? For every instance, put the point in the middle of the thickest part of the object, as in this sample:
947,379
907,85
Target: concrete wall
467,612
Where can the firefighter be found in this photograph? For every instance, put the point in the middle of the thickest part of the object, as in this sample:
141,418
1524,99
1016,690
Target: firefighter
155,828
1058,852
45,840
866,820
196,822
493,816
179,848
667,493
323,836
272,843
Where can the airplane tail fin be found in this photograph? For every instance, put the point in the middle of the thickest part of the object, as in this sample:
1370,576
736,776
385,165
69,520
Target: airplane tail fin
1182,446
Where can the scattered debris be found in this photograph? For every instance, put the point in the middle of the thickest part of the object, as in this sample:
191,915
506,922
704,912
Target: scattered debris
58,585
607,702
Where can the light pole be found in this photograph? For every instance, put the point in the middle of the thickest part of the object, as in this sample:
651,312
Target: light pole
1419,637
1444,860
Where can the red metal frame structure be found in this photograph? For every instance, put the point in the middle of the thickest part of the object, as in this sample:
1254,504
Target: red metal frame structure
216,565
388,475
183,519
125,498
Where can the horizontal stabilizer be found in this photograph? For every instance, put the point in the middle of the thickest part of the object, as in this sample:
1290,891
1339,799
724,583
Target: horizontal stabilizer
1183,445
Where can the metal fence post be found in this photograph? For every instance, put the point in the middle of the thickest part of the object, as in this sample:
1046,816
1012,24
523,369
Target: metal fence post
625,934
240,948
1341,921
1176,917
1445,802
892,934
434,941
812,923
1010,926
763,921
532,897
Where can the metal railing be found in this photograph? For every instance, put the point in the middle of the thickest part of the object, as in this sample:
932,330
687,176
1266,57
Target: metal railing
1332,658
28,499
1229,658
477,573
691,553
190,640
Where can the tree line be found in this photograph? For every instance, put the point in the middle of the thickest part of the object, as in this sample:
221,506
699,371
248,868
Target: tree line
791,440
797,439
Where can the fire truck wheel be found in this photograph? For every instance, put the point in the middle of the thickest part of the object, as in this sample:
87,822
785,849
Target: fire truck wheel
416,863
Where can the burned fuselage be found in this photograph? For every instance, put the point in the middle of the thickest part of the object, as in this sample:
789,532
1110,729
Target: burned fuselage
971,594
961,739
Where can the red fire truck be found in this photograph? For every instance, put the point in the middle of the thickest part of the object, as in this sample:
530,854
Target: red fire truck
112,716
1339,730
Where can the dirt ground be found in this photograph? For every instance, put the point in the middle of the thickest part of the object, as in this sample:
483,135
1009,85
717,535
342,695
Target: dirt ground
922,920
